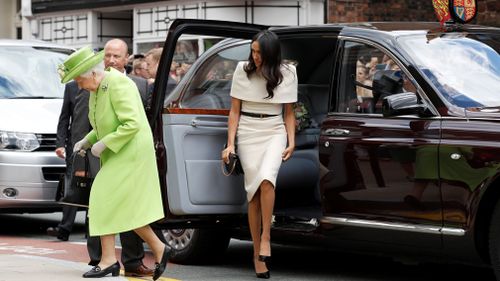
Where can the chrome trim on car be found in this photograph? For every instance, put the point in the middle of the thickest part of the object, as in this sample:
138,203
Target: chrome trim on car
394,226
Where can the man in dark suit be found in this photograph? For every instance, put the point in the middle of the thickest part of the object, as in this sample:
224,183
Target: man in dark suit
73,125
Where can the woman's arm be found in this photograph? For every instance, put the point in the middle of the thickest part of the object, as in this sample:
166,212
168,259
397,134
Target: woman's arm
232,125
290,131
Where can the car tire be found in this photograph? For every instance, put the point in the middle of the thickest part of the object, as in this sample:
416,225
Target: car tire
494,241
196,246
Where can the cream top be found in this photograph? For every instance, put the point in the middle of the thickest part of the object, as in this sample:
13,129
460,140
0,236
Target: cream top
254,89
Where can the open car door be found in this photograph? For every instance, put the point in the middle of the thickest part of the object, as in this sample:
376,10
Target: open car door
190,122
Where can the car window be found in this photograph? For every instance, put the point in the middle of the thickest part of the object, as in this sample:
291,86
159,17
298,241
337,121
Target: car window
27,72
367,76
210,86
463,67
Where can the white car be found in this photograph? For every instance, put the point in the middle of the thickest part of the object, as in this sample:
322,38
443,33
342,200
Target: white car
31,96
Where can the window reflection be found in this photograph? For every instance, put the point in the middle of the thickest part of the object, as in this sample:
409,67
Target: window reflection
210,86
29,72
464,68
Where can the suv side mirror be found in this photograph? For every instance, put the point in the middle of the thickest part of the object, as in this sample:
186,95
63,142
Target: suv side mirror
402,104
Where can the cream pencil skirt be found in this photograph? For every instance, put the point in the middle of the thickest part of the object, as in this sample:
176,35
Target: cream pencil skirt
261,142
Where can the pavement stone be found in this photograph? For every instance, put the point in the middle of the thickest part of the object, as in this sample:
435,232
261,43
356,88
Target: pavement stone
23,259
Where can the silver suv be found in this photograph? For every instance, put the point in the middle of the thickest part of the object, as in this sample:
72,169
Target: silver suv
30,102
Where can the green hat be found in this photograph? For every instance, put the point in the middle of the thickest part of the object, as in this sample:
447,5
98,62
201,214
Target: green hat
79,62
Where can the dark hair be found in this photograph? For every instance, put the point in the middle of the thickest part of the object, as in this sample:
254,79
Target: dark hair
270,53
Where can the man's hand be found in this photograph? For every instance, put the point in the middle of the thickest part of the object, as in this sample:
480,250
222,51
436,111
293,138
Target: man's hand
61,152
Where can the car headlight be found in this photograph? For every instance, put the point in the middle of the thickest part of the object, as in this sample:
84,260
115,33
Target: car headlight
16,141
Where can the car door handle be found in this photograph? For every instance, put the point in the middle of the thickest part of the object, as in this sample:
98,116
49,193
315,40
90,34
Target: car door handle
209,122
336,132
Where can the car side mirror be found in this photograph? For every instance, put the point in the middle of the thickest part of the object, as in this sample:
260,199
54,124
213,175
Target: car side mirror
402,104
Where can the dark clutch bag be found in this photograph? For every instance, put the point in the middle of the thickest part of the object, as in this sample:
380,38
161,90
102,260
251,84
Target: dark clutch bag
81,182
233,167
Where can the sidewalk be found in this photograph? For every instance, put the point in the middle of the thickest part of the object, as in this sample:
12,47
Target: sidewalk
29,268
24,259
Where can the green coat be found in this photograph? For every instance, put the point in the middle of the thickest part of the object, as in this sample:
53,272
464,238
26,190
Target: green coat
125,194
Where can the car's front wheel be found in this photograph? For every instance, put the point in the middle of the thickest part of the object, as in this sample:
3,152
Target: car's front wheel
194,246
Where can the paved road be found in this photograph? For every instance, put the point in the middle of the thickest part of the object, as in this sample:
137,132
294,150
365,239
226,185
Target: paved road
25,235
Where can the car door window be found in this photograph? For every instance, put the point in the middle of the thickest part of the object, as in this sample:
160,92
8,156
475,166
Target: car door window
210,86
367,76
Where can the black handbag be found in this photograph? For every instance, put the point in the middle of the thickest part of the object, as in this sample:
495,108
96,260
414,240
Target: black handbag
79,190
233,167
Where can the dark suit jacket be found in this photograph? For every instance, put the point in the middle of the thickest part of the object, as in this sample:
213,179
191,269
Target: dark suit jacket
73,121
74,125
142,85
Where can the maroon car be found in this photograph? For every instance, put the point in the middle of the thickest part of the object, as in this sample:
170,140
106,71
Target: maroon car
398,150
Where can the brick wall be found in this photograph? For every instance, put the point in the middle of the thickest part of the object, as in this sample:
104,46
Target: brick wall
488,12
402,10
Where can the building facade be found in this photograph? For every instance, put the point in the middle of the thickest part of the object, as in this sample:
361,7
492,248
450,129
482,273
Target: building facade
144,24
10,19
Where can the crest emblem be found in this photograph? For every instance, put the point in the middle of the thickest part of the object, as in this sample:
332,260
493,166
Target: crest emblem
442,9
463,11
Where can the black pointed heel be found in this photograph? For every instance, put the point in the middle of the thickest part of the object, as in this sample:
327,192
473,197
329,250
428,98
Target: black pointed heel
263,275
160,267
97,272
264,258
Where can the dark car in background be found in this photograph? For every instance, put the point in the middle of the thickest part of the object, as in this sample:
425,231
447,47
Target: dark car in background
400,154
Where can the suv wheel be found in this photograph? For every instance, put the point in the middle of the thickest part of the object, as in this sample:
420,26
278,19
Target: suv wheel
194,246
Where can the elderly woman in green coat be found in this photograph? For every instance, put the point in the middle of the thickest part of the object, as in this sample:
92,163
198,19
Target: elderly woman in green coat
125,194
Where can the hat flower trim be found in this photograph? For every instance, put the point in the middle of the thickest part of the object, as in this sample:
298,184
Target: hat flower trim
62,70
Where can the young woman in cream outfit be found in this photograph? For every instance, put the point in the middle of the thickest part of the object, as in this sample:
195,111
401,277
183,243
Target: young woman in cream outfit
262,88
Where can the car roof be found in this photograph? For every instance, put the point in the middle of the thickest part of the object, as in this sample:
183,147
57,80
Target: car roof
31,43
395,28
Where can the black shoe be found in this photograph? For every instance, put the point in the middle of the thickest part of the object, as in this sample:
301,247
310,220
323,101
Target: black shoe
61,234
263,275
160,267
97,272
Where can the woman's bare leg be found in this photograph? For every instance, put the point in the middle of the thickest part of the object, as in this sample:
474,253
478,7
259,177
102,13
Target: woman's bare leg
254,222
267,196
157,246
108,251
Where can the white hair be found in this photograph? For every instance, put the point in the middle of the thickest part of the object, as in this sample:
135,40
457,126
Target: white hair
98,68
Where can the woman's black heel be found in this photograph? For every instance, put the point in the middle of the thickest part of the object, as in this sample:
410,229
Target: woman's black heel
263,275
160,267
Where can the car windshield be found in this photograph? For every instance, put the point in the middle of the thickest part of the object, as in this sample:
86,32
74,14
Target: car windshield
463,67
29,72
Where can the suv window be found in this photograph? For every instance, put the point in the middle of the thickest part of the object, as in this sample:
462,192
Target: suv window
367,76
210,86
30,72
